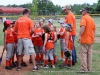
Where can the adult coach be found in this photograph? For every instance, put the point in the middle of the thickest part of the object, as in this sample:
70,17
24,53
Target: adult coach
70,19
24,26
86,40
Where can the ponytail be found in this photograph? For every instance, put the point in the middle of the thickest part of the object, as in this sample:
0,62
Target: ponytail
5,28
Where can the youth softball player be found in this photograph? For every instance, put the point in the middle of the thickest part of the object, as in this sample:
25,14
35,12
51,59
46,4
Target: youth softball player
62,39
8,43
49,46
38,43
54,32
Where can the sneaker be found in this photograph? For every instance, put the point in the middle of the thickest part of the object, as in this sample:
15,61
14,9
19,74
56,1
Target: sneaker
45,66
8,67
53,66
37,62
82,72
16,63
42,62
24,64
69,67
18,68
63,65
63,59
35,69
13,65
30,61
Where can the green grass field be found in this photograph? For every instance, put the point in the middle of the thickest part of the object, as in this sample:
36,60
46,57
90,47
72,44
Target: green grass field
65,71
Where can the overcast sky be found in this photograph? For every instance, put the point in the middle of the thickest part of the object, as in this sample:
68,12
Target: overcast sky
59,2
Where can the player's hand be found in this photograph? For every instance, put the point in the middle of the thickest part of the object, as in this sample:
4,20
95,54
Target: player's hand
79,38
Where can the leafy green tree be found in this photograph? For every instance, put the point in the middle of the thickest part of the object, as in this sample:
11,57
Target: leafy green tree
98,6
34,8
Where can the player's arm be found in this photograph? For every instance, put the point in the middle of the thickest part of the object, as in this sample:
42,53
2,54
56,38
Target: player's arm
67,39
55,35
62,33
45,41
82,28
5,35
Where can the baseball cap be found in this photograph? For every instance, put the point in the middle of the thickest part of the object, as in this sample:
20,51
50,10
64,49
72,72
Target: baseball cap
85,9
66,7
8,23
51,21
61,21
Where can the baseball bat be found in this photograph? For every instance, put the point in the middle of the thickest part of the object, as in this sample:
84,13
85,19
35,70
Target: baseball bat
2,56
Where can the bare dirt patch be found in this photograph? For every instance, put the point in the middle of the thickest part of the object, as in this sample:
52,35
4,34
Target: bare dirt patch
23,71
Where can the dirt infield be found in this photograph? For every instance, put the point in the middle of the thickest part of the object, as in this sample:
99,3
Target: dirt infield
23,71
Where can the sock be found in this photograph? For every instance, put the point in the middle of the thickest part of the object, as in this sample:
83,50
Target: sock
46,62
55,58
66,61
13,59
62,54
7,63
70,62
52,62
10,62
42,57
37,57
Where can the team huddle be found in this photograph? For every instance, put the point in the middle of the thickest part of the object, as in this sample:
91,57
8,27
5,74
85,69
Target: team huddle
39,41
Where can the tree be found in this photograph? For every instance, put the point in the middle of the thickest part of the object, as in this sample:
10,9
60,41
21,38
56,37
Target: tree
34,8
98,6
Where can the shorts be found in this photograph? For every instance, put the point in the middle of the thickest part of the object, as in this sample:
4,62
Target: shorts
25,46
49,54
10,51
62,44
38,49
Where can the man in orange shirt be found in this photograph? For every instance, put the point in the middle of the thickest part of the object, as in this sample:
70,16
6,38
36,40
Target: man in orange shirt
24,26
70,19
86,40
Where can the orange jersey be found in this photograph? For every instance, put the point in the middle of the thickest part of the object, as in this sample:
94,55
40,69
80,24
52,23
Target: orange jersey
23,26
53,33
10,37
49,44
70,19
88,35
63,36
15,37
38,40
70,45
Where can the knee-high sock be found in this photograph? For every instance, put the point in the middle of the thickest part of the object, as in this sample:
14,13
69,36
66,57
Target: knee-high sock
46,62
70,62
66,61
52,62
42,57
62,54
37,57
7,63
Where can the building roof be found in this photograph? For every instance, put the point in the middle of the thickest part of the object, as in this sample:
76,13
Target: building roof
11,9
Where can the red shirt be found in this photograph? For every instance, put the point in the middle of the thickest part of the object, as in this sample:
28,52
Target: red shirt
10,37
50,43
63,36
38,40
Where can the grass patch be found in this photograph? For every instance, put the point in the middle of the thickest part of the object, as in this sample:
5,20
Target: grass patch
64,71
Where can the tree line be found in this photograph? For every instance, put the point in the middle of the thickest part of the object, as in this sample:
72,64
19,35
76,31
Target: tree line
47,7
